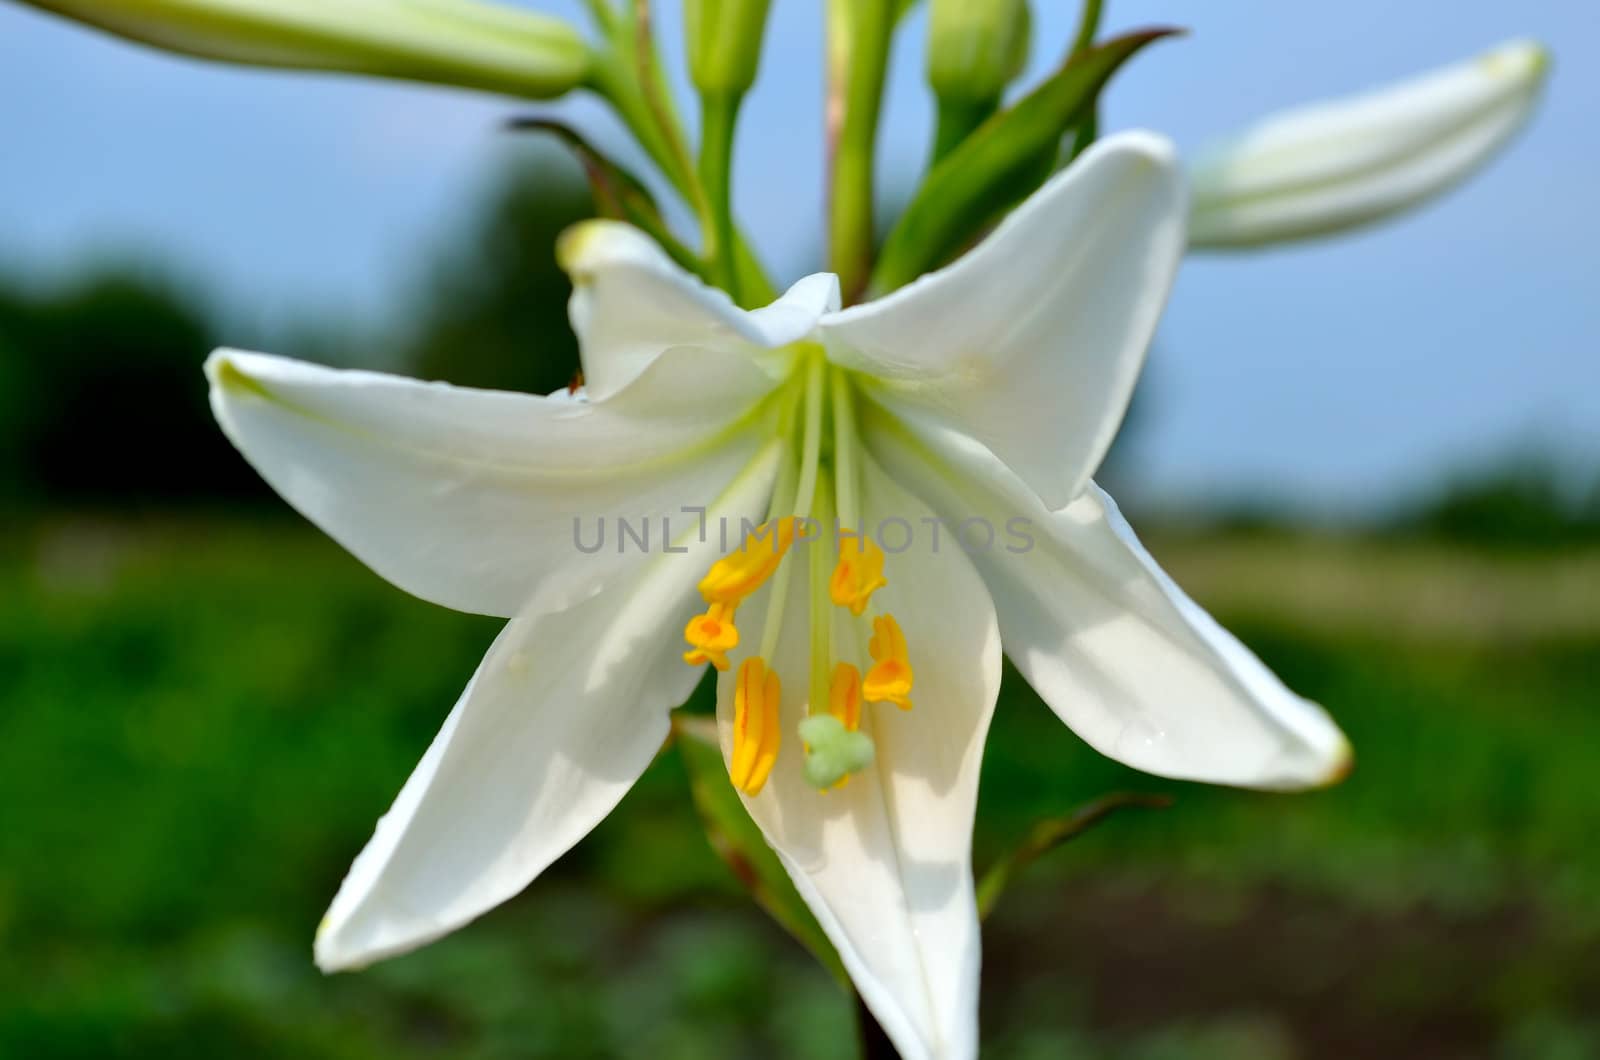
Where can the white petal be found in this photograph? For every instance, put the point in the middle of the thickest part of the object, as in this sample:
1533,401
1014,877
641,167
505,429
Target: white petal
472,498
1032,342
1331,166
630,303
1116,649
568,708
885,861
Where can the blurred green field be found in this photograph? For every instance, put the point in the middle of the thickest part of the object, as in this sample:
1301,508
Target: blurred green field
200,721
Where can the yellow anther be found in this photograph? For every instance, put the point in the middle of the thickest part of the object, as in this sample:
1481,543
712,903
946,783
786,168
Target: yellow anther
859,573
755,726
844,695
890,678
740,573
711,636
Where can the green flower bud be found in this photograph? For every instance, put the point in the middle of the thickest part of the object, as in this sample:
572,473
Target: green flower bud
976,48
724,41
833,752
451,42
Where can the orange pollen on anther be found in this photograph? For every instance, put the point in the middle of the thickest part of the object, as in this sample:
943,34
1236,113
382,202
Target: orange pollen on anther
890,678
756,729
740,573
711,636
844,695
859,572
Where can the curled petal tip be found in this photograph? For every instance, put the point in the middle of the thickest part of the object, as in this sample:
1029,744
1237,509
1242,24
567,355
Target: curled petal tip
1518,60
329,961
1152,146
583,246
1343,763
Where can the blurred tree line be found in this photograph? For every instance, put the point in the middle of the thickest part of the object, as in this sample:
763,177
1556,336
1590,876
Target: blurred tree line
103,404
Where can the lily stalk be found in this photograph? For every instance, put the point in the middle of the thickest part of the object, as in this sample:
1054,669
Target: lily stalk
863,31
1335,166
464,43
724,45
975,49
627,74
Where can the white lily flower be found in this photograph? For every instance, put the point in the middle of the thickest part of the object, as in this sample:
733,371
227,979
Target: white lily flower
983,394
1333,166
455,42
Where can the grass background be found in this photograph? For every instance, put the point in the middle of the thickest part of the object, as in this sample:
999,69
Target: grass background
202,715
201,718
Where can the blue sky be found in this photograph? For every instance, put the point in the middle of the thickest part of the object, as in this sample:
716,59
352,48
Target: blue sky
1334,376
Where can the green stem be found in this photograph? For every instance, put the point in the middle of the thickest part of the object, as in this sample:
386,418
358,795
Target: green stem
957,119
627,76
603,15
718,116
658,104
614,80
1088,26
1087,132
851,223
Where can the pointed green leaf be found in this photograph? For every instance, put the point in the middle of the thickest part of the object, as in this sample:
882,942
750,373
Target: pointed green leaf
1000,164
1051,833
618,194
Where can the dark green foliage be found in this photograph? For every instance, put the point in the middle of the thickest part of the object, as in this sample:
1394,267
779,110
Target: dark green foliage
102,399
493,312
200,722
1520,503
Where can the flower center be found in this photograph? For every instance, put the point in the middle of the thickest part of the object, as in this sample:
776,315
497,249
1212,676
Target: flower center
816,502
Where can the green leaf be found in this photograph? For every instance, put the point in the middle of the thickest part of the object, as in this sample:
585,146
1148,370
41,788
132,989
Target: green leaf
738,841
618,194
1051,833
1001,163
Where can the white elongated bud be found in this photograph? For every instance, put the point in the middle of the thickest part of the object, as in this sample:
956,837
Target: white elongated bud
453,42
1333,166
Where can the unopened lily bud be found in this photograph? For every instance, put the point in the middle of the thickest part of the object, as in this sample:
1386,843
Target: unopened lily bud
1333,166
454,42
976,48
724,42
